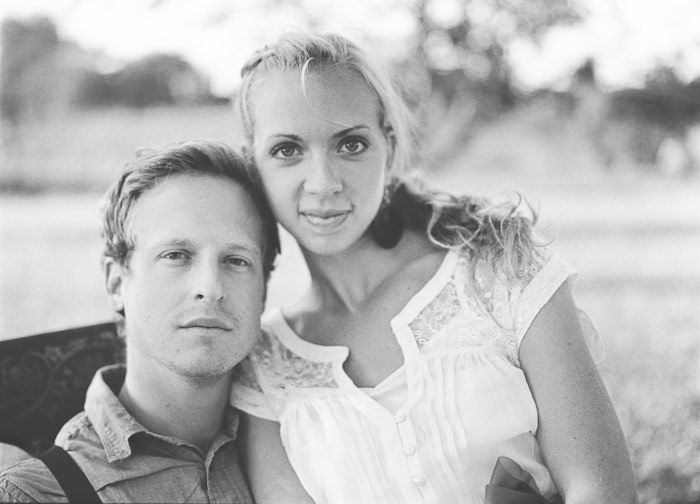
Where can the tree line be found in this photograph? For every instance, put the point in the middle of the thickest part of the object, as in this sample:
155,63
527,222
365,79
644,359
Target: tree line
40,73
457,78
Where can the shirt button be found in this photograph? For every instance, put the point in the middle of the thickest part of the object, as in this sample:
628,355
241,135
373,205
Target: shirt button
410,450
418,482
400,417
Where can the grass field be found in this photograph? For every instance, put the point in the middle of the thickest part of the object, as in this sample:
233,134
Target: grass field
634,241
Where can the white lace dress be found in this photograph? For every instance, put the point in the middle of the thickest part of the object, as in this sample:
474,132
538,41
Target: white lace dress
433,430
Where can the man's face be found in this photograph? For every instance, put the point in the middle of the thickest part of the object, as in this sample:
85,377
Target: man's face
192,291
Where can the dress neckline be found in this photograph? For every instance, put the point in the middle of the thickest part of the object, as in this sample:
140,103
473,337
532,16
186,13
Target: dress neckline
419,300
337,354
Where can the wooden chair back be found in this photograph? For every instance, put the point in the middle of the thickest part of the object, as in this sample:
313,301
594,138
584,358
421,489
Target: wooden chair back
44,378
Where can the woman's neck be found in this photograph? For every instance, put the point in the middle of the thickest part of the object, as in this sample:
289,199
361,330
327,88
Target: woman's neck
345,281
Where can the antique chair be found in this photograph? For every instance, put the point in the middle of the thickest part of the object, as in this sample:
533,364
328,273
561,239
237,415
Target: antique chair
43,380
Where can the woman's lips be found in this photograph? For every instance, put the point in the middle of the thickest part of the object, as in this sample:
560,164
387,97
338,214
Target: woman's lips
325,219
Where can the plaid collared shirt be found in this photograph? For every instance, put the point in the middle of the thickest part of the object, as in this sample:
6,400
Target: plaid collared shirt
127,463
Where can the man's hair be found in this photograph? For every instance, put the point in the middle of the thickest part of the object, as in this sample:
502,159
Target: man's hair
152,167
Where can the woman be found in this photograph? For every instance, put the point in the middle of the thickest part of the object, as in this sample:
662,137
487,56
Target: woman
436,338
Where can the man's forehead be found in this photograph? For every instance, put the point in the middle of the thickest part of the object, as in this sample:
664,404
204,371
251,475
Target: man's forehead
195,208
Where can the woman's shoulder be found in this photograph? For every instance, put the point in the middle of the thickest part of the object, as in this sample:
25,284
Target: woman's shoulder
277,333
272,320
416,253
424,256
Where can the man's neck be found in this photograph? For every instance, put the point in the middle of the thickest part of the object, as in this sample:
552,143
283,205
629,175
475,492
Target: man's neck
171,405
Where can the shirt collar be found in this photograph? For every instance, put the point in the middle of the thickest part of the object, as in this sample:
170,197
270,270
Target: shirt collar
114,424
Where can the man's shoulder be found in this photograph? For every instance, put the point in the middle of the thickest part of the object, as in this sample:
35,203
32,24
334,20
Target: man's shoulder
29,481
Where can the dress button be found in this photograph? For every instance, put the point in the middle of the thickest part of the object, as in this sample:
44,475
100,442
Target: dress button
410,450
418,482
400,417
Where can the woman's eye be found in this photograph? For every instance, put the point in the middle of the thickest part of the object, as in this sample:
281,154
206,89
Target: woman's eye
285,150
353,146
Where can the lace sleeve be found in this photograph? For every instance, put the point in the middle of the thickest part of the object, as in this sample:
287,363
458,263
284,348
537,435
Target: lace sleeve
517,302
246,394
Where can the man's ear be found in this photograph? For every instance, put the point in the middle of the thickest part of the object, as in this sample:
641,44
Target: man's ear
114,282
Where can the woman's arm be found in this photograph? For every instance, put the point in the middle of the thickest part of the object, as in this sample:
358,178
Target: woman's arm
270,475
580,435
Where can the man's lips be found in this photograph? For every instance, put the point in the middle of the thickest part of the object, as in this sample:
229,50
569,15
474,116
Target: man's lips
207,323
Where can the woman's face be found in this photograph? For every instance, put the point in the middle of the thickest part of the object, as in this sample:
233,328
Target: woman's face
323,157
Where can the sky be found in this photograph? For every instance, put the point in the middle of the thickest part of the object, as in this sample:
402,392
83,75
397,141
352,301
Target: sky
626,38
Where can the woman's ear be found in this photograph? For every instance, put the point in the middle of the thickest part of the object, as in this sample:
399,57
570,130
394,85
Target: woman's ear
114,283
391,145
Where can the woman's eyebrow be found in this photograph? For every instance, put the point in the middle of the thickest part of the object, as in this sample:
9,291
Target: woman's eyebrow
288,136
349,130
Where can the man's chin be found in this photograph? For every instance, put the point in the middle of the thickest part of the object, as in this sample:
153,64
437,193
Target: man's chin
203,376
205,371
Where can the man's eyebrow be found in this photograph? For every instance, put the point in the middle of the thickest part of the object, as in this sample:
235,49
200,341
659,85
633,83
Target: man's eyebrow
174,242
187,243
243,247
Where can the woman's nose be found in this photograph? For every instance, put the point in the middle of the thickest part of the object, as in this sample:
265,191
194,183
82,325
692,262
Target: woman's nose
323,177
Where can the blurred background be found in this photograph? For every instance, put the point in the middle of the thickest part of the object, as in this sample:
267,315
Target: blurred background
589,109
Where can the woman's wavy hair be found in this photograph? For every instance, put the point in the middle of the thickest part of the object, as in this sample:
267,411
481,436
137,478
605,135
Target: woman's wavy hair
151,167
500,234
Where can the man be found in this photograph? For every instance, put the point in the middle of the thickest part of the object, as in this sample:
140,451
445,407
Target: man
189,245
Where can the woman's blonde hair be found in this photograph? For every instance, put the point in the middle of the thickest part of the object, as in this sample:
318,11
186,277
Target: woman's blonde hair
499,234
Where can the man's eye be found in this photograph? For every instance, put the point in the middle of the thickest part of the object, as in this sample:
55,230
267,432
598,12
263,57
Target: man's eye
174,256
285,150
353,146
238,261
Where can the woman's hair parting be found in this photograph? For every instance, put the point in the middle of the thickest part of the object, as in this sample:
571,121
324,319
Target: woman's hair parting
498,234
152,167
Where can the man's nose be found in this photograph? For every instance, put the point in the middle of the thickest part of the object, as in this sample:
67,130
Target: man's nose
208,281
323,176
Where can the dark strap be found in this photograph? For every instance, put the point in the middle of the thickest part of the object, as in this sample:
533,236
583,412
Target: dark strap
71,478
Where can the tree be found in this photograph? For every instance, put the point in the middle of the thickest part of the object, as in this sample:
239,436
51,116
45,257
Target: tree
464,63
28,50
158,79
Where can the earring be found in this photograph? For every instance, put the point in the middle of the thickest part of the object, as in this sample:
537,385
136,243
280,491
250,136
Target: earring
387,226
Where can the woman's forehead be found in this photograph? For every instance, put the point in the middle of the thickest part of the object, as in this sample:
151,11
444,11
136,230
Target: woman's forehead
339,95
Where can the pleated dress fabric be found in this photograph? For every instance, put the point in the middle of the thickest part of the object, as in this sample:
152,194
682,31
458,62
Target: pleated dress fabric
433,430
